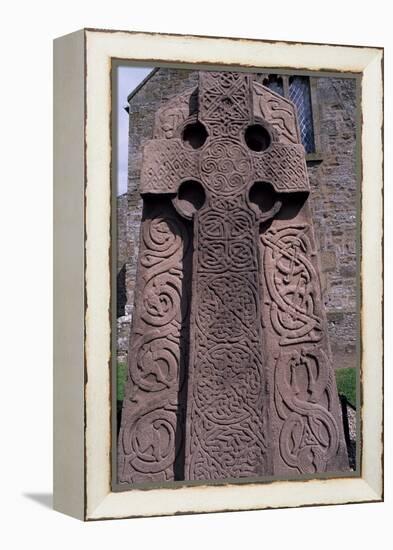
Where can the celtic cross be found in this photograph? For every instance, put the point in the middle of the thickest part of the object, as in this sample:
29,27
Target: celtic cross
228,170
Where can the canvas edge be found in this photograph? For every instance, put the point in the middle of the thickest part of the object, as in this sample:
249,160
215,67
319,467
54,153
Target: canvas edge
101,502
69,277
371,273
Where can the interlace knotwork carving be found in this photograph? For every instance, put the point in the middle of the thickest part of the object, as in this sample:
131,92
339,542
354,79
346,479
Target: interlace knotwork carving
306,407
257,402
165,164
284,167
227,417
292,284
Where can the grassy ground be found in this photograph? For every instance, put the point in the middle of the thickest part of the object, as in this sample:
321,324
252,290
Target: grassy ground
346,383
121,380
345,378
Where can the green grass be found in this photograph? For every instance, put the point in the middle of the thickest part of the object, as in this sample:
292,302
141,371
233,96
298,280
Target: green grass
346,383
121,380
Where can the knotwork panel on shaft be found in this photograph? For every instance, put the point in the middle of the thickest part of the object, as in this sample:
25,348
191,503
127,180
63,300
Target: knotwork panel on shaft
230,372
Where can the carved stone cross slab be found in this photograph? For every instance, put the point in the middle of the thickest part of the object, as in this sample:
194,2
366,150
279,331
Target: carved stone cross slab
229,370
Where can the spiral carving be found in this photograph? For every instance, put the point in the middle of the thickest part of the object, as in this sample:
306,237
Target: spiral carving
225,167
151,437
252,300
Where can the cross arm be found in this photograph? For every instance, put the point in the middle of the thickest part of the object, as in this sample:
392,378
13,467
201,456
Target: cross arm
283,166
166,163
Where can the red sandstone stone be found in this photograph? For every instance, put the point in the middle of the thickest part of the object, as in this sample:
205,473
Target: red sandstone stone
230,369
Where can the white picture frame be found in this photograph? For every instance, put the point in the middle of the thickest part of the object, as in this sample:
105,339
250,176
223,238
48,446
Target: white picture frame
82,335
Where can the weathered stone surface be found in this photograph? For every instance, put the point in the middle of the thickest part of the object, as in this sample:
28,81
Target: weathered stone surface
238,343
151,442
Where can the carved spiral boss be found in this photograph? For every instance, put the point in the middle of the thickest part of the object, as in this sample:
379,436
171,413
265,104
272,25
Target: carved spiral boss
229,374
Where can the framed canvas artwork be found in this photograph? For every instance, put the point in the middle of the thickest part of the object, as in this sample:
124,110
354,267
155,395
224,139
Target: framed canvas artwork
218,274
